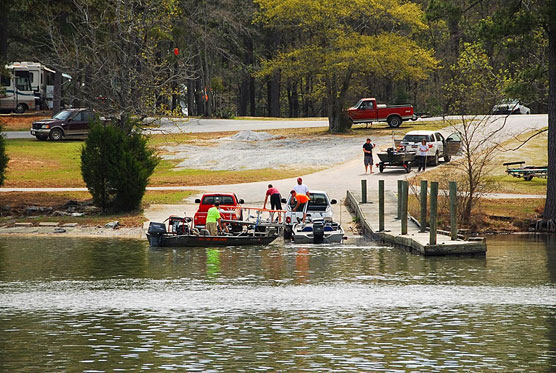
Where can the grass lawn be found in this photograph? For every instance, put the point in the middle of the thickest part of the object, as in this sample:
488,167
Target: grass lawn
35,164
533,152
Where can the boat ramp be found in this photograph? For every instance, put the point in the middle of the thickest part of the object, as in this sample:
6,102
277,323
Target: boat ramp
406,232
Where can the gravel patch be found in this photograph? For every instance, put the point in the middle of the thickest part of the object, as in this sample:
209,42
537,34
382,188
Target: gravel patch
256,150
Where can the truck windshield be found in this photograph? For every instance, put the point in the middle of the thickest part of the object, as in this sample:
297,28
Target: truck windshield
224,200
63,115
416,138
317,202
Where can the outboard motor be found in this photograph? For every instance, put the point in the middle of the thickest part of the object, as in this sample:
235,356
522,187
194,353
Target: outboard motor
156,232
318,231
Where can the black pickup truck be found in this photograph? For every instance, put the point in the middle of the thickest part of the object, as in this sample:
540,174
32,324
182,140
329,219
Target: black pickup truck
70,123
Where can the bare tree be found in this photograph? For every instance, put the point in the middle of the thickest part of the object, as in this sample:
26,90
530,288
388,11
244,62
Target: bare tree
120,55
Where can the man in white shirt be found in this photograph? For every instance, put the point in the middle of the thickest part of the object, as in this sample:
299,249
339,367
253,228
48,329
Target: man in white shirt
301,188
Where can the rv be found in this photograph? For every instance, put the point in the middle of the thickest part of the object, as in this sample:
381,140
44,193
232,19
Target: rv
41,79
16,93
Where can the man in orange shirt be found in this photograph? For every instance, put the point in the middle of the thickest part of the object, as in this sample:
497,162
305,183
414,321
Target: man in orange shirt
301,199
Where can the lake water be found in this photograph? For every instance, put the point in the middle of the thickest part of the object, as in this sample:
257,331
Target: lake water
117,305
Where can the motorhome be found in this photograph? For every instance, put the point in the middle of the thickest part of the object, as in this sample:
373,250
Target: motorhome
41,79
16,93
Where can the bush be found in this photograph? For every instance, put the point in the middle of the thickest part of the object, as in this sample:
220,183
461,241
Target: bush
116,167
3,158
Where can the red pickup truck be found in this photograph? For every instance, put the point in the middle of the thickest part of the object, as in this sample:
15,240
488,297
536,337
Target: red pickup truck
228,202
368,111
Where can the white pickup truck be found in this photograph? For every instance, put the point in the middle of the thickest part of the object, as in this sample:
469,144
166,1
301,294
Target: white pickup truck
438,145
319,207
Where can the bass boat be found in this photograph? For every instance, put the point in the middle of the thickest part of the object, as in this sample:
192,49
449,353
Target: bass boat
179,234
317,231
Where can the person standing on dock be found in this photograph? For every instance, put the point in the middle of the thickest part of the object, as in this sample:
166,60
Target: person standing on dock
214,219
368,155
423,149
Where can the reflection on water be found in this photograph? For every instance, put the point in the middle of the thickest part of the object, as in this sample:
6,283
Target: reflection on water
105,304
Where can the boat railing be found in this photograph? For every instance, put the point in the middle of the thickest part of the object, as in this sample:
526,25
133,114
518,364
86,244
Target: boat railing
258,216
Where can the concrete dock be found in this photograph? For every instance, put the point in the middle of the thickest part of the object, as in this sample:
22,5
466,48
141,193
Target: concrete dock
415,241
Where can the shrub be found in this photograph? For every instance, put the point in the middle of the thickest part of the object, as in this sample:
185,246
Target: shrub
3,158
116,166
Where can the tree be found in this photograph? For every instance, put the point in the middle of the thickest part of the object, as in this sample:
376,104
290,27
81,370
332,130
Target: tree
119,53
342,40
474,87
116,167
517,18
3,158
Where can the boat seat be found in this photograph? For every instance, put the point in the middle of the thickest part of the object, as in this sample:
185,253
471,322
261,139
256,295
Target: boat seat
205,232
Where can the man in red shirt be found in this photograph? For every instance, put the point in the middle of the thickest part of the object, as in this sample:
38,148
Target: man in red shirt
274,198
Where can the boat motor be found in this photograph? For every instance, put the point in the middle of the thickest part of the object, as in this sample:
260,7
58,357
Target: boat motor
156,231
318,231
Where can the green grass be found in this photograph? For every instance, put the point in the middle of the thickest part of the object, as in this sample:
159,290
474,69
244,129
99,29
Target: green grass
166,197
57,164
43,163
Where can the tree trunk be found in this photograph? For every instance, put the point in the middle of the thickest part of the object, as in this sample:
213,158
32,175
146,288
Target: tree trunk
190,97
293,100
3,32
274,95
243,96
338,120
57,91
550,204
252,97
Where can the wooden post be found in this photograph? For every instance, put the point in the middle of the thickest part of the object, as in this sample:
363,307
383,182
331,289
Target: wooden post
363,191
453,211
434,208
381,205
399,199
423,221
405,189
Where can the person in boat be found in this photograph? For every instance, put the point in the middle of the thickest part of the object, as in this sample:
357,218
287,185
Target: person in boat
301,200
275,197
214,219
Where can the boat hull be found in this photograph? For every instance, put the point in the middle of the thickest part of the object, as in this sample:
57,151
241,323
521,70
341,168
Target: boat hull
173,240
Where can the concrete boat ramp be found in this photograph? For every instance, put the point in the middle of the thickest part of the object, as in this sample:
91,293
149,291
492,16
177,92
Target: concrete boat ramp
415,241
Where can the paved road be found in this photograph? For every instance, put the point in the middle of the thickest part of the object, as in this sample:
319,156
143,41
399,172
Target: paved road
223,125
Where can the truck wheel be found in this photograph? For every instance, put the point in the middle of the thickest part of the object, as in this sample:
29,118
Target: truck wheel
381,167
447,158
20,109
394,121
56,134
408,167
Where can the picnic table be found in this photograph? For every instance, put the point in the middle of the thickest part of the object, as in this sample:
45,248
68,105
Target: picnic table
518,169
